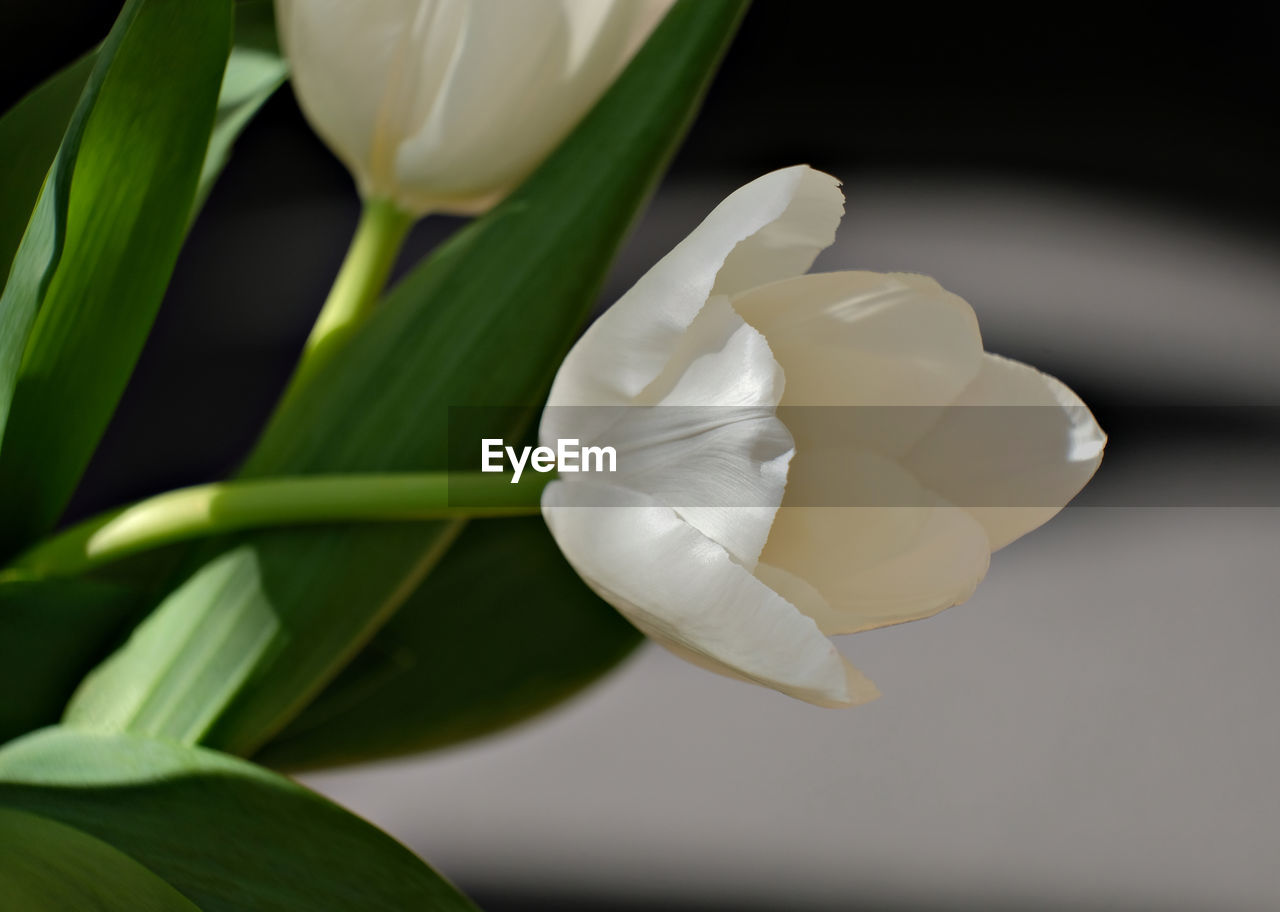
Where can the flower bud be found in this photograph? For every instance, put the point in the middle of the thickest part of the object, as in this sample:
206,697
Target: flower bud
798,455
446,105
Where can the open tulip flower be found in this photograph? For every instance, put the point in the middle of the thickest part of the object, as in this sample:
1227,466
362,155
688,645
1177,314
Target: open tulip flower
713,536
446,105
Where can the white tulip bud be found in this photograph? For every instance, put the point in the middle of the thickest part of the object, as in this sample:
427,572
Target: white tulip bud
446,105
825,453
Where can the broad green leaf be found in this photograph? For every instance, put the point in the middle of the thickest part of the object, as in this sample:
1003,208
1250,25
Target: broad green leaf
93,265
46,866
51,631
225,834
213,659
30,134
484,321
501,630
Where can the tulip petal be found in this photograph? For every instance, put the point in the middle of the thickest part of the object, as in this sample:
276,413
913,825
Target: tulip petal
704,438
772,228
686,592
448,104
356,72
907,559
1014,449
866,338
525,74
723,471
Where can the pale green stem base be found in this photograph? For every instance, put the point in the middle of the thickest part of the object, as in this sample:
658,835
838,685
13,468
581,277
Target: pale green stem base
374,248
234,506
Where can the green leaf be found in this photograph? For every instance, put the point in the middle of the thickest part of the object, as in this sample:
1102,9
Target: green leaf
177,648
484,321
50,633
32,131
254,71
502,629
225,834
92,268
30,134
48,867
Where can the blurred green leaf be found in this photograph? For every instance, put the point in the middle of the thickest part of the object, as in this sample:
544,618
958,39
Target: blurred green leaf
226,834
254,71
211,660
484,321
50,632
92,267
30,134
501,630
48,867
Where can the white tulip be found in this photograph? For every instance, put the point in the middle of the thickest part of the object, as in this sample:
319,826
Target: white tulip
712,536
445,105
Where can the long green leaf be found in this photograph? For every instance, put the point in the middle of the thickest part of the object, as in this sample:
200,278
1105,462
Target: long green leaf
91,270
50,632
47,866
483,322
30,134
225,834
502,629
53,633
32,131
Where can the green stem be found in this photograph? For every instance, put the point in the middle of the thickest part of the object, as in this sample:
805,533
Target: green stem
238,505
374,248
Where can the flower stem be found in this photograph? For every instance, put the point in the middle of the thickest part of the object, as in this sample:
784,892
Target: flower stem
373,251
238,505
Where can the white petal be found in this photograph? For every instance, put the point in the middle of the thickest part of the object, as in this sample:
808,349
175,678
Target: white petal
908,557
526,72
792,212
599,28
685,591
718,361
704,438
347,63
447,104
723,471
1014,449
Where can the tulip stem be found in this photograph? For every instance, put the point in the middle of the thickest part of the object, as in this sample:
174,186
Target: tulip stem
374,248
235,506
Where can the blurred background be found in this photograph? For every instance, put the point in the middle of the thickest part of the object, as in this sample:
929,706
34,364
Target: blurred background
1098,726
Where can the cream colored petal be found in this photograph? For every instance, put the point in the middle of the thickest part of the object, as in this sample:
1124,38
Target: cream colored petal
525,74
1016,446
808,600
794,211
866,338
686,592
907,555
604,34
345,59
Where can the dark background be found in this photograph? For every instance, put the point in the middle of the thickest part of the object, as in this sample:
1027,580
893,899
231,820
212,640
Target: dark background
1173,101
1167,107
1170,108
